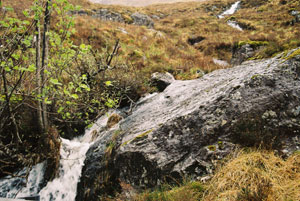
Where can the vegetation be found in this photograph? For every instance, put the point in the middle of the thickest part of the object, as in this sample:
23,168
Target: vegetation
92,65
189,191
47,82
249,175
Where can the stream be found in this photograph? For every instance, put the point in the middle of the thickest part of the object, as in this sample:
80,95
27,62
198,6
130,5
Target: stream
63,188
234,7
73,154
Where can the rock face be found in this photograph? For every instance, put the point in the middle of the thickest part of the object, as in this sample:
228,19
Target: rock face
102,14
142,20
161,80
241,54
191,124
108,15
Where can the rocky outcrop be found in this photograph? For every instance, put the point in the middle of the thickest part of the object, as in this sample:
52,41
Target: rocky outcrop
161,80
296,15
142,20
109,15
102,14
244,50
241,54
182,131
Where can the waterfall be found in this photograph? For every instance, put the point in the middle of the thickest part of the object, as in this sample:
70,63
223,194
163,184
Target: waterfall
63,188
10,187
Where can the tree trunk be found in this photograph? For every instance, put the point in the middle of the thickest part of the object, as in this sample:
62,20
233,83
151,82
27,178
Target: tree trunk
45,53
16,136
38,75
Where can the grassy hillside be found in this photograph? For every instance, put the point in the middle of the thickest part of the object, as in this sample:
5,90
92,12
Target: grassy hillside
137,2
165,47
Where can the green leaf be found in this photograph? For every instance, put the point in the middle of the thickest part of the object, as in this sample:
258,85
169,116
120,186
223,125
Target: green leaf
25,13
7,69
47,101
75,96
108,83
31,68
82,46
110,103
55,81
84,86
60,109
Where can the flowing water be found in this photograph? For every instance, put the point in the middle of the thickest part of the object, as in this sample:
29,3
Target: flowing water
64,187
234,7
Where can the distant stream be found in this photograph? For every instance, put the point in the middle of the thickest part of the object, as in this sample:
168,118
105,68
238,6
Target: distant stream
234,7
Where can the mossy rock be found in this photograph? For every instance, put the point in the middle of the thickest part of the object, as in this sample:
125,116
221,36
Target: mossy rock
253,44
294,54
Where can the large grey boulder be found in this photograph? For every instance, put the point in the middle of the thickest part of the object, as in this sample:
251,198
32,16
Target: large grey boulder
142,20
182,131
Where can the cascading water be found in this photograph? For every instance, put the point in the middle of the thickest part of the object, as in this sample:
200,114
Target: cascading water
63,188
11,187
231,11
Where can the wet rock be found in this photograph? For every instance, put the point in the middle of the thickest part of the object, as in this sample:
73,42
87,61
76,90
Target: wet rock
195,39
161,80
184,130
97,171
142,20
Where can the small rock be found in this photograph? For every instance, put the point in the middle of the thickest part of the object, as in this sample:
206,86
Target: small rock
142,20
161,80
195,39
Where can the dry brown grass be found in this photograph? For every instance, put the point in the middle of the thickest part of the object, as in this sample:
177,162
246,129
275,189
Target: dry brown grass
256,176
166,47
253,175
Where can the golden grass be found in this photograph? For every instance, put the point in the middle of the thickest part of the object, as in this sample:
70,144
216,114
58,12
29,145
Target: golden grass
254,175
166,49
257,175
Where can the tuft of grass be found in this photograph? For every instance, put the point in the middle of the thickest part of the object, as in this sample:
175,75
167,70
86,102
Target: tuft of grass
190,191
256,175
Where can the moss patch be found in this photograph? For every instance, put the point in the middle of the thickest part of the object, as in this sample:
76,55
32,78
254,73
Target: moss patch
253,44
294,54
139,137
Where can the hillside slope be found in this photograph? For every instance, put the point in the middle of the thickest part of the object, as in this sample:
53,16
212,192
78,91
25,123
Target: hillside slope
137,2
270,24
